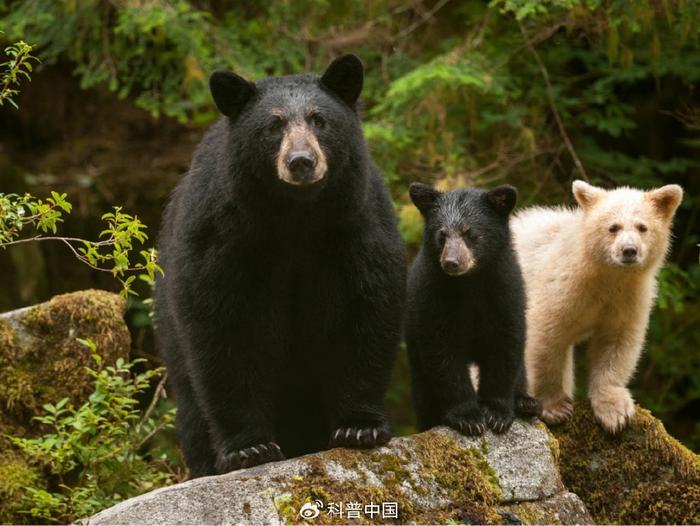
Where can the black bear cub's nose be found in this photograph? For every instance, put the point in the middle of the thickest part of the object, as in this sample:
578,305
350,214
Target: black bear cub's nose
629,252
450,265
301,165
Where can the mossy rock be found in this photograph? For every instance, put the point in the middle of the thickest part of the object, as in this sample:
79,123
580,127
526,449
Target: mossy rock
436,477
641,476
41,361
453,484
562,508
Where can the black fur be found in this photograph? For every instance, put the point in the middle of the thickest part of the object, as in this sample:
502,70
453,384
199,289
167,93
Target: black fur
476,318
279,313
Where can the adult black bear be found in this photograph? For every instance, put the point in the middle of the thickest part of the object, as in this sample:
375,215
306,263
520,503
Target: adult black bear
466,306
280,310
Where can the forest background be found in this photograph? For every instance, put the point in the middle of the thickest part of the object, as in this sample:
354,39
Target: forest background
457,92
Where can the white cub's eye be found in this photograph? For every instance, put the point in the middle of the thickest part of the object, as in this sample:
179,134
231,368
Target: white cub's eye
614,228
642,228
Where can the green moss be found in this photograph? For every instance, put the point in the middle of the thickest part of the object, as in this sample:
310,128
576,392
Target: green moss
7,336
41,360
434,465
15,476
641,476
552,442
534,513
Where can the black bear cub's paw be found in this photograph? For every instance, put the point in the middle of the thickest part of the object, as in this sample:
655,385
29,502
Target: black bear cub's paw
527,407
360,436
248,457
467,419
497,415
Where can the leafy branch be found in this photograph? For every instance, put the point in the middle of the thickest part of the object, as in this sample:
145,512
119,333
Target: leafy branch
18,65
112,252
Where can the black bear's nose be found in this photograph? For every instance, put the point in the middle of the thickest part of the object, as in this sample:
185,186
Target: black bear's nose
301,164
629,252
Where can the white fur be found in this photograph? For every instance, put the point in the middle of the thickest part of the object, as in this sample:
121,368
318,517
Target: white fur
579,288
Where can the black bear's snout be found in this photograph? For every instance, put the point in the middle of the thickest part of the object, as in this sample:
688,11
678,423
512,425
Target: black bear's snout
301,165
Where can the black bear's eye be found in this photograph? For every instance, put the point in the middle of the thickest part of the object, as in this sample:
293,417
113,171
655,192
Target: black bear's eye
642,227
442,235
276,124
316,120
614,228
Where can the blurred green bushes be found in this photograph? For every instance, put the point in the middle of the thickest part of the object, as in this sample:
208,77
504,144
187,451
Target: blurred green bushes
455,95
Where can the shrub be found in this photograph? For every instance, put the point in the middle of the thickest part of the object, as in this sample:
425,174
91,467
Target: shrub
98,454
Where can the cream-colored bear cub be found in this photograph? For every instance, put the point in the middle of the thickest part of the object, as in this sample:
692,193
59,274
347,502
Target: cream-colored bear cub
590,274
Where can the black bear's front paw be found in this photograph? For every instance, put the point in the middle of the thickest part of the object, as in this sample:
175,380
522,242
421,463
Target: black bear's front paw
467,419
497,415
360,436
248,457
527,407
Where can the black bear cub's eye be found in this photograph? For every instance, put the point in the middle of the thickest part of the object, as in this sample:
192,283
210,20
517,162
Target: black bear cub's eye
642,227
317,121
614,228
442,235
468,233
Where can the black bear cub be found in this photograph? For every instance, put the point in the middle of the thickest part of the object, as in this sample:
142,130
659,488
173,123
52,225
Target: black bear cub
466,306
280,311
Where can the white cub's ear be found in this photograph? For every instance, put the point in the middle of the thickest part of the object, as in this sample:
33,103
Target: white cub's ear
586,195
666,199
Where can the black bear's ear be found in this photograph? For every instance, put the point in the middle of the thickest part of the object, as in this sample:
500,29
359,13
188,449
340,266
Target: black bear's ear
423,196
344,77
503,198
230,91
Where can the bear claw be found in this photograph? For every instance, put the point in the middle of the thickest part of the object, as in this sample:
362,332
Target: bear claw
469,425
499,424
248,457
527,407
558,411
498,420
360,437
614,409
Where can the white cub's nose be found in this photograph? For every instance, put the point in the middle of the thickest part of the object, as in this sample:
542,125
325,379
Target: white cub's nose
629,253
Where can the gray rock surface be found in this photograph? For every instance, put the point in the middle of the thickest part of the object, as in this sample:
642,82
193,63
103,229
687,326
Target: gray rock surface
511,478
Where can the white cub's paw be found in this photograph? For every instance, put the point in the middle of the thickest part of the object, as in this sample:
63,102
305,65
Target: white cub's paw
613,408
557,410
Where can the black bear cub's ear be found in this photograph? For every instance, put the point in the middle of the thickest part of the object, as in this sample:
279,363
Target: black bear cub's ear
344,77
423,196
230,91
503,198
